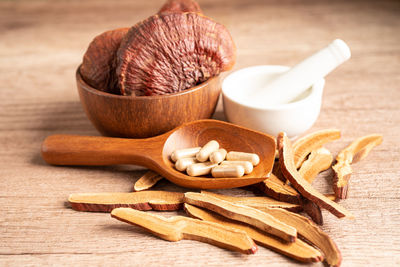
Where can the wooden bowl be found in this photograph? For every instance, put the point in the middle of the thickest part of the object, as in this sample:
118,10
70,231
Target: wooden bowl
146,116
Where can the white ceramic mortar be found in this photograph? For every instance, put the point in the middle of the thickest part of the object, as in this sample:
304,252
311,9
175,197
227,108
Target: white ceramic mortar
293,118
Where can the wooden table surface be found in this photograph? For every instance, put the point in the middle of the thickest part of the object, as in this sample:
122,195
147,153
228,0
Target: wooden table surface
42,43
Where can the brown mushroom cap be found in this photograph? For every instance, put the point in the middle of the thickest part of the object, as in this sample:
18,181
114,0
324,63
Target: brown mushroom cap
98,65
180,6
171,52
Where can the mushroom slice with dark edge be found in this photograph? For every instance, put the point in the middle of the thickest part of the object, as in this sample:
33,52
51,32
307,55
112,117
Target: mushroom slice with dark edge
98,65
171,52
180,6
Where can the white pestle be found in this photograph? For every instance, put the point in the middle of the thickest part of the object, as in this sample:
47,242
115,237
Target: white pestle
290,85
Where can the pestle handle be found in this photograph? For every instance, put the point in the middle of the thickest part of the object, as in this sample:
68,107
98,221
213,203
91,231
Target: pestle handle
291,84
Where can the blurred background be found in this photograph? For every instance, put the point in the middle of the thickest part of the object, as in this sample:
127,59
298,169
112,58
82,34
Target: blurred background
39,38
42,42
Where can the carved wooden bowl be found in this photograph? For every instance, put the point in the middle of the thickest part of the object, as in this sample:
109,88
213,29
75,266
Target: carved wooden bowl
146,116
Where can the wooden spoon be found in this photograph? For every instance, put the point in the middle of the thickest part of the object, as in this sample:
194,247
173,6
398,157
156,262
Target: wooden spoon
154,153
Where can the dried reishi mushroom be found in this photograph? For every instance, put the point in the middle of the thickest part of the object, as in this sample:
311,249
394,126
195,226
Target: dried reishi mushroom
313,210
148,180
260,203
297,250
177,228
277,189
303,146
276,170
355,152
98,65
245,214
171,52
319,160
145,200
311,232
180,6
286,160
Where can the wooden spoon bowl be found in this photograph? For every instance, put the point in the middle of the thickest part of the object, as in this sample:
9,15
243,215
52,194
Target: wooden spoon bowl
154,153
146,116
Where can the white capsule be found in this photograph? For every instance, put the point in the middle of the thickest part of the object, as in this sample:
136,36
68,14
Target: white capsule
218,156
242,156
206,151
248,167
182,164
185,153
227,171
198,169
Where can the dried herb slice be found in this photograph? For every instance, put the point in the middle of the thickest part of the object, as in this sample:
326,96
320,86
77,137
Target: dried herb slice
148,180
297,250
303,146
254,217
260,203
289,170
171,52
179,227
311,232
355,152
319,160
277,189
145,200
313,210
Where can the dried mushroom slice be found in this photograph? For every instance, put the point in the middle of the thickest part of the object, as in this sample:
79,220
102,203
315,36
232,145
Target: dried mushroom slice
171,52
98,65
180,6
286,161
355,152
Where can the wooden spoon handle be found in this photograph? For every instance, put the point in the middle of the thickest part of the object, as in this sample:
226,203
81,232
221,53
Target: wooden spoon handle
96,150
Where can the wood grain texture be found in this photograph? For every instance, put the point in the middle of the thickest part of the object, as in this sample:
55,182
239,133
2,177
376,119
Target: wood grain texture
42,44
147,116
155,152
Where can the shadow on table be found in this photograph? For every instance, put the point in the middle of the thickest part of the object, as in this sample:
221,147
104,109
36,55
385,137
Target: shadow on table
137,231
60,118
69,118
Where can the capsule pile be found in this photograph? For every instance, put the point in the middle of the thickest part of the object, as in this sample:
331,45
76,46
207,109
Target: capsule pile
210,158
